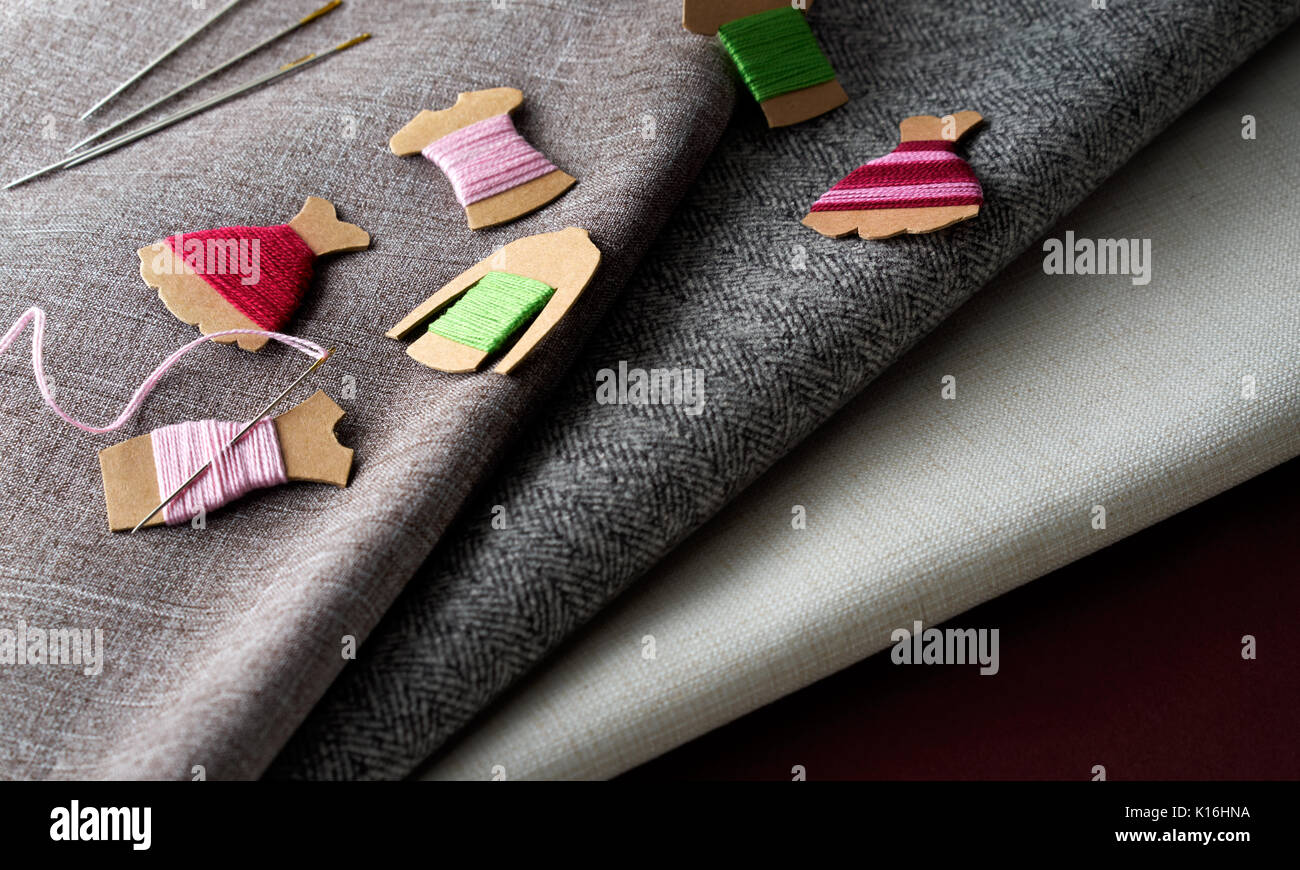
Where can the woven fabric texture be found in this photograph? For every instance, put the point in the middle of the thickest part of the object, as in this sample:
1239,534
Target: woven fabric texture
1071,392
786,326
218,641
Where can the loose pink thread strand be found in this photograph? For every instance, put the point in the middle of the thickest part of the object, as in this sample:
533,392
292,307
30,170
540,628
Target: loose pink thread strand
36,317
178,450
487,158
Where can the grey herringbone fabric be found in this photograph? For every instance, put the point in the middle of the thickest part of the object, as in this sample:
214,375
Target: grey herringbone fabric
219,641
786,325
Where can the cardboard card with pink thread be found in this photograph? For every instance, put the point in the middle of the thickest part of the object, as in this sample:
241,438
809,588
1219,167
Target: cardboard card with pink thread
495,173
298,445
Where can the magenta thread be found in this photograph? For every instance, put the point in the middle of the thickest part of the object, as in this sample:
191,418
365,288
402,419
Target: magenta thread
36,317
487,158
916,174
180,449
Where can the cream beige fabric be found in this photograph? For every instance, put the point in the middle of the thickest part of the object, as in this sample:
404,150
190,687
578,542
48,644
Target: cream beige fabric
1071,392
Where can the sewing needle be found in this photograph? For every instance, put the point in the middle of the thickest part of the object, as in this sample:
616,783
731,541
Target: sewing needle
159,59
233,441
324,10
128,138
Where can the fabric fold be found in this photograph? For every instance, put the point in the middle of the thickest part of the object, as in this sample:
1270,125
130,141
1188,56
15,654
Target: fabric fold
786,327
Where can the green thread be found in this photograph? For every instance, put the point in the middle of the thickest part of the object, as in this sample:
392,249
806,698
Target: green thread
775,52
491,310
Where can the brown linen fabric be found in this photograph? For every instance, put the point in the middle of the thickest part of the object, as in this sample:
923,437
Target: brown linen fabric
218,641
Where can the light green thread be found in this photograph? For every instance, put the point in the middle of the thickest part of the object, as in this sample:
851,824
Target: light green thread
775,52
491,310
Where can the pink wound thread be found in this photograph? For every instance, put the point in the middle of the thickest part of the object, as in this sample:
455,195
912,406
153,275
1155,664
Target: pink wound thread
914,175
36,316
262,271
486,158
179,450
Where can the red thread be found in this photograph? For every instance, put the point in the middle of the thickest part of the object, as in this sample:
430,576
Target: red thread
262,271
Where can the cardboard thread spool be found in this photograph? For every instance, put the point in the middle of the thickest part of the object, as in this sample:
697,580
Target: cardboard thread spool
565,260
194,301
470,108
882,223
706,16
307,442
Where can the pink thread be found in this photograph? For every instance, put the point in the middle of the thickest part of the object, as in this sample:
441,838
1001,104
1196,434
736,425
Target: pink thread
262,271
180,449
36,316
486,158
916,174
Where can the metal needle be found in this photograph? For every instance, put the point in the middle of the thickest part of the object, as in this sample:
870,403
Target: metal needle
233,441
188,112
126,139
159,59
324,10
112,144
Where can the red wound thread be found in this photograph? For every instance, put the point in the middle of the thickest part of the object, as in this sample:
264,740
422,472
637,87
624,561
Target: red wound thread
262,271
915,175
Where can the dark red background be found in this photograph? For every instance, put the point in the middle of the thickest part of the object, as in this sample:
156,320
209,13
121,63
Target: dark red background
1130,658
